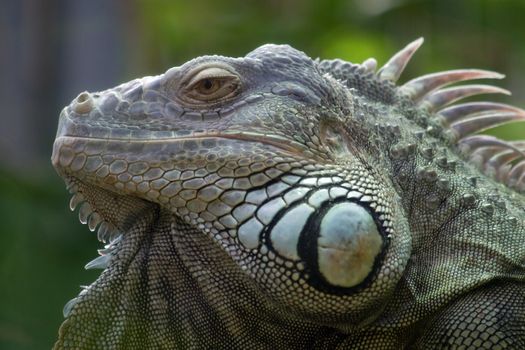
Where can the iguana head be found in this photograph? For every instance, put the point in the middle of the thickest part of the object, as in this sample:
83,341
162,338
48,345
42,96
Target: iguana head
298,170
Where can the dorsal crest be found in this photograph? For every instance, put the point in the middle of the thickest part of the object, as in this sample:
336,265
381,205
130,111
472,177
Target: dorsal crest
502,160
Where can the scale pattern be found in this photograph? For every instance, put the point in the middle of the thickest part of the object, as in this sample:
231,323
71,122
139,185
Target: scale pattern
275,201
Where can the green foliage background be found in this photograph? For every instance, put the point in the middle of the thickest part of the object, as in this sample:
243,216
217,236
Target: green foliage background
42,245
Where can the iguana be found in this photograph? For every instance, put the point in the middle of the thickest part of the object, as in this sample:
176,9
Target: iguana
275,201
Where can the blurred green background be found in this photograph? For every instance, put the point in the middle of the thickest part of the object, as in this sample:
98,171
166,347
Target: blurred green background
52,50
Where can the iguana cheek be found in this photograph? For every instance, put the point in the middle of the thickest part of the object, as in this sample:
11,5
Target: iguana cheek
348,245
285,234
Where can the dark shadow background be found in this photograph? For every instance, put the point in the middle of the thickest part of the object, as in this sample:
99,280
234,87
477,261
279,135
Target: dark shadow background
52,50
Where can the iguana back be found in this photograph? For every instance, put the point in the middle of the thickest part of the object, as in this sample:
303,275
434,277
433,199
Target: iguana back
275,201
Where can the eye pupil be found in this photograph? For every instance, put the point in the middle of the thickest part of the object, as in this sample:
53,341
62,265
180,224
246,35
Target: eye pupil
207,84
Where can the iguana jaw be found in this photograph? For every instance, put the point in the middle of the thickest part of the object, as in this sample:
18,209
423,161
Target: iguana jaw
127,173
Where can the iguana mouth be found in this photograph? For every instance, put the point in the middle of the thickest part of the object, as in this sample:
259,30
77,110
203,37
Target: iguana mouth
287,145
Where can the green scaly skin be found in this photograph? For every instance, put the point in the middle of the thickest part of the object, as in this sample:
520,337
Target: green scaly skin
393,240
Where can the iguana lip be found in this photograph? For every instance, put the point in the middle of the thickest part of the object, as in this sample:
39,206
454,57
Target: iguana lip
287,145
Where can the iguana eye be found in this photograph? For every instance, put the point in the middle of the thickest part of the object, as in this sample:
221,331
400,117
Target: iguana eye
208,86
211,84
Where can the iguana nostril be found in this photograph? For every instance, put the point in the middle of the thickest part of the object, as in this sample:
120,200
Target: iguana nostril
83,97
83,103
